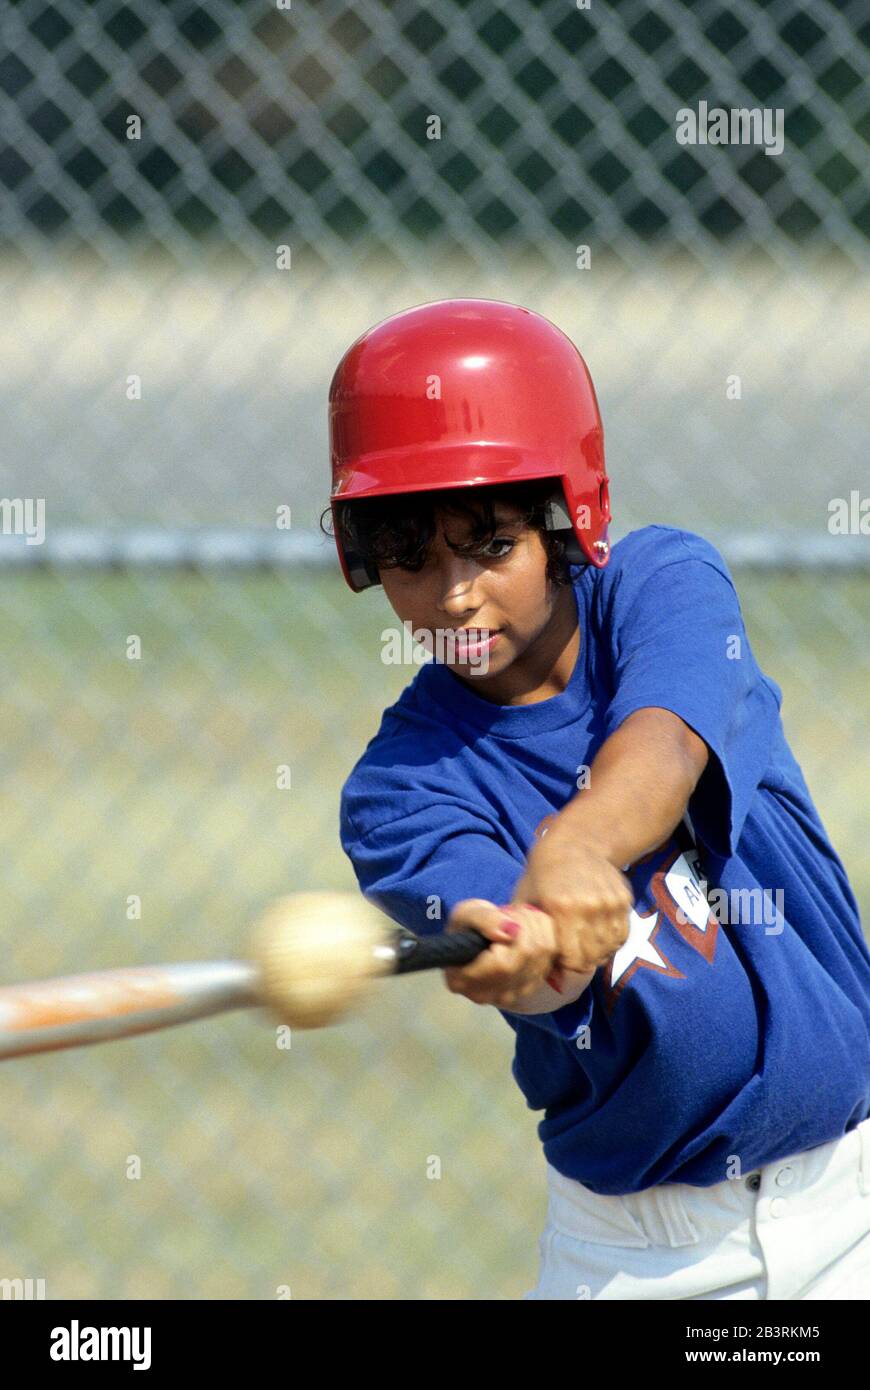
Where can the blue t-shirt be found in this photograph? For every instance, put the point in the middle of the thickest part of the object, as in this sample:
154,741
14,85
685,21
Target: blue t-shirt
735,1021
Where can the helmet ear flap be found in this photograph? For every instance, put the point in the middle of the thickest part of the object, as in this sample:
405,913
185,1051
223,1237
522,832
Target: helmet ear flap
363,574
557,521
359,572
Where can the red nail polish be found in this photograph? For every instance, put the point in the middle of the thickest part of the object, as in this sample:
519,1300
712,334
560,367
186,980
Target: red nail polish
510,927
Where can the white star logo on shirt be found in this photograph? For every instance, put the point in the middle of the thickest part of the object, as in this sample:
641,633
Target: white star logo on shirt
638,946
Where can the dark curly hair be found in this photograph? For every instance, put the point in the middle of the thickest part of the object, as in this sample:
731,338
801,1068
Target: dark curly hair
397,530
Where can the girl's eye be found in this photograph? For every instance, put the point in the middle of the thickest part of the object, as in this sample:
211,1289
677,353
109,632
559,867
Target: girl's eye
412,566
506,544
502,541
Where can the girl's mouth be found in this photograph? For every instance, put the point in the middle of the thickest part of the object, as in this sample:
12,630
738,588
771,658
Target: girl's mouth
475,641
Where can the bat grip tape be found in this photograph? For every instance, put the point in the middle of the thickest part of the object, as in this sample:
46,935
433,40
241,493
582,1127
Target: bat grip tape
439,951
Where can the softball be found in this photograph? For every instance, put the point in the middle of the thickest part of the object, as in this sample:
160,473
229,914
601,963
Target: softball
316,953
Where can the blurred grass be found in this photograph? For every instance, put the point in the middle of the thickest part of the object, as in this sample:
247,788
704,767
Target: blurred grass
157,777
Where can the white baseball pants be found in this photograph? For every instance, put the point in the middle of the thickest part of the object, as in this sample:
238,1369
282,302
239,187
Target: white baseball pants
798,1228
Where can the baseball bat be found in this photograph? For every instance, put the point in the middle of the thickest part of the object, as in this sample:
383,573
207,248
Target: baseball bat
76,1010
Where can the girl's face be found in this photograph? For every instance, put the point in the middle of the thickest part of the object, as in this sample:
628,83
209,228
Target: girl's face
501,593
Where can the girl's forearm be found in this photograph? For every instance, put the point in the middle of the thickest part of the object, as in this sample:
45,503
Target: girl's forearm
546,1000
640,783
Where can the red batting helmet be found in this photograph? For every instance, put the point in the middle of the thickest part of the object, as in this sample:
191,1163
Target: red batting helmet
468,393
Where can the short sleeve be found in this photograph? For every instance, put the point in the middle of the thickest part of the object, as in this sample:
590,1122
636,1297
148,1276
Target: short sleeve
417,868
679,643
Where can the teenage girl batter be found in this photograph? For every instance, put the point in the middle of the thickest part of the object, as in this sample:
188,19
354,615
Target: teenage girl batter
597,778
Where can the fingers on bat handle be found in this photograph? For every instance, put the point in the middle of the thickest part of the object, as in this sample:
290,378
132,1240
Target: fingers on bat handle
437,952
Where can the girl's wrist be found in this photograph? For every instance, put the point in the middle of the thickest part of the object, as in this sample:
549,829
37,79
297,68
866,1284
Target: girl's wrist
568,834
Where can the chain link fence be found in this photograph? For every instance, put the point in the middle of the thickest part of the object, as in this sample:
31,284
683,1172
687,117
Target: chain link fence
202,206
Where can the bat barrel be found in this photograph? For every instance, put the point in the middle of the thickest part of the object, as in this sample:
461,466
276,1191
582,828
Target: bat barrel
80,1009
